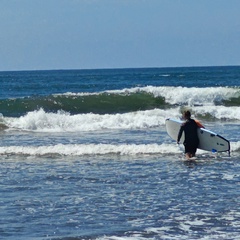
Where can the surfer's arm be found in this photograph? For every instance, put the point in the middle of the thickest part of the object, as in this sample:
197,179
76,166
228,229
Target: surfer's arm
180,134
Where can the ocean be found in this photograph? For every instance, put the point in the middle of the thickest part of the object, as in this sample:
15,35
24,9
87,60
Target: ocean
85,155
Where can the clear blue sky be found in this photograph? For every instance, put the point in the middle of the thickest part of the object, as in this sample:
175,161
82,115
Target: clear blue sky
80,34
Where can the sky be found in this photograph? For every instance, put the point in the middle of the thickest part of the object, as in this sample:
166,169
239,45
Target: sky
93,34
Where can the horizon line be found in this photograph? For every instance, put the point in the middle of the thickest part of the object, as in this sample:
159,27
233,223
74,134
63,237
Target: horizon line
117,68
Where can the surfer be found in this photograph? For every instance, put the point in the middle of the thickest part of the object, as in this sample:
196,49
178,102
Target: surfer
189,127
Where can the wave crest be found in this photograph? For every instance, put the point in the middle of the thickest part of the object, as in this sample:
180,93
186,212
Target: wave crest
123,101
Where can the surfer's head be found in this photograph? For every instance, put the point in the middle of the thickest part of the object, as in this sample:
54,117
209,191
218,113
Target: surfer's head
186,114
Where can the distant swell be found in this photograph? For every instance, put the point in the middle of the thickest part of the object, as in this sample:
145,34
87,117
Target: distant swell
123,101
96,103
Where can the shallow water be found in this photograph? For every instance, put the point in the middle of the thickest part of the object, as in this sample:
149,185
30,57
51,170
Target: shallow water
106,197
85,155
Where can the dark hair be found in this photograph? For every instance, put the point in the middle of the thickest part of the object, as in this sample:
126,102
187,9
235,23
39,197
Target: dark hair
187,114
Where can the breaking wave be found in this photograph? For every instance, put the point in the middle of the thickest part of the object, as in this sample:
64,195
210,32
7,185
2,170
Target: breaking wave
123,101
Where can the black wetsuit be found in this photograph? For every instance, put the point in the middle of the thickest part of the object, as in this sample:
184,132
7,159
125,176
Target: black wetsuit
191,138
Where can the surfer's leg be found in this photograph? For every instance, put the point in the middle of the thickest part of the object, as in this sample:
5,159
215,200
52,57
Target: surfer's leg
191,151
194,150
188,151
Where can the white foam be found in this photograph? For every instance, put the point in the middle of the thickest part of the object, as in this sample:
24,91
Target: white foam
196,222
179,95
228,177
235,146
61,122
197,96
91,149
41,121
219,112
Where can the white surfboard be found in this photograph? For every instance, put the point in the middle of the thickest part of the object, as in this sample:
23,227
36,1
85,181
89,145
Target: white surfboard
208,140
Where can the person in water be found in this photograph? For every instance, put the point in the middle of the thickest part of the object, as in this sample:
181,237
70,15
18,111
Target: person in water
189,127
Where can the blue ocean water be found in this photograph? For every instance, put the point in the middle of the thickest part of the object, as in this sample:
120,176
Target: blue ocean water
85,154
